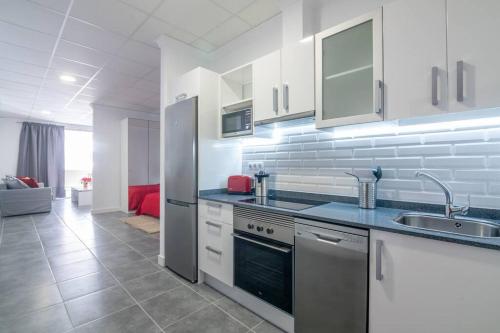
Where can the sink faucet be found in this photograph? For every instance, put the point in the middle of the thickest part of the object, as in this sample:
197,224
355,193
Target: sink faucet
450,210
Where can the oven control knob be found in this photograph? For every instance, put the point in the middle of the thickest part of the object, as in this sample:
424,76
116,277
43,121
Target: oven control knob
260,228
250,226
269,230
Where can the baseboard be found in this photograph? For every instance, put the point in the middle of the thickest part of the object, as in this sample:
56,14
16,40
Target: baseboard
105,210
272,314
161,261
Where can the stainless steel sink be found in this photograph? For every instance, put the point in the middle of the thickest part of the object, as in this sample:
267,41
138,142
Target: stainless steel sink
459,225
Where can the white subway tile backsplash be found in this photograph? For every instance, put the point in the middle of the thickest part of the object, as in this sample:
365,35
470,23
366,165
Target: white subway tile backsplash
455,162
423,150
313,161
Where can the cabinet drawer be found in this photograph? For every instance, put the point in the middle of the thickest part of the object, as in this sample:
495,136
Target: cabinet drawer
216,211
215,253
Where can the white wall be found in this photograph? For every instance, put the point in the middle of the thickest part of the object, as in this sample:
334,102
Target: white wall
10,130
107,155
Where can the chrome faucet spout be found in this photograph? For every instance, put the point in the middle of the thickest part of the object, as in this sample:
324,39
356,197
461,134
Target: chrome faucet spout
450,209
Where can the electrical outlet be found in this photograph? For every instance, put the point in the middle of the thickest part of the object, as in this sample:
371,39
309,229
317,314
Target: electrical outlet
255,165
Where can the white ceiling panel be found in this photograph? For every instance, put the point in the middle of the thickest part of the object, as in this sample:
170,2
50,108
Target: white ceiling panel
260,11
234,6
154,76
153,28
203,45
21,67
227,31
21,78
141,52
145,5
23,54
19,36
109,14
90,35
57,5
146,85
81,54
31,15
73,67
125,66
195,16
16,86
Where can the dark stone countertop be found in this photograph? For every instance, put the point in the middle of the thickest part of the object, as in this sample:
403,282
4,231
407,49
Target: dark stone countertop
351,215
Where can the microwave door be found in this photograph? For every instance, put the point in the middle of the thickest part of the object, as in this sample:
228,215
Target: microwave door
237,123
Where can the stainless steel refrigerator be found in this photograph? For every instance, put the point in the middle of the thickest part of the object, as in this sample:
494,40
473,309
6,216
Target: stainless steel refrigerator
181,187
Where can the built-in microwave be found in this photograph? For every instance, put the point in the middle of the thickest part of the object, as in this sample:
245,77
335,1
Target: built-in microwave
237,123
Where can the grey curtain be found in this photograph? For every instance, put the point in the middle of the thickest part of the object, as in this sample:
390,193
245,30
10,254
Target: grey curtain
41,155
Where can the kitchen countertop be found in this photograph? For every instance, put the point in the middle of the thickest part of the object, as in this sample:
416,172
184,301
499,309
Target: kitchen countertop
351,215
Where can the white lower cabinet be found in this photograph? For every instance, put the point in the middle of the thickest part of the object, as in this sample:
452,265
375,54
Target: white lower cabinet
215,247
431,286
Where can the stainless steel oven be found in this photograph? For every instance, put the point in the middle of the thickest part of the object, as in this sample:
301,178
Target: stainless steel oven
237,123
263,256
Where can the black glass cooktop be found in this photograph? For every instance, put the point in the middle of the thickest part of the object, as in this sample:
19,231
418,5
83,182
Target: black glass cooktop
282,202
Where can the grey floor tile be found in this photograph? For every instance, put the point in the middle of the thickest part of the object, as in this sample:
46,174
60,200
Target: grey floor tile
77,269
208,320
97,305
151,285
53,319
128,235
173,305
69,258
239,312
64,248
121,258
266,327
23,300
133,270
18,238
17,219
26,277
148,246
85,285
110,250
18,227
20,248
130,320
208,292
100,241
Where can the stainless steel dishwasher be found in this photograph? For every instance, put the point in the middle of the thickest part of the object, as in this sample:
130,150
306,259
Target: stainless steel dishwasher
331,278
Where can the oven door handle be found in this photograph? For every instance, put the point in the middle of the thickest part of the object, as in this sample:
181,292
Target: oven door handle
274,247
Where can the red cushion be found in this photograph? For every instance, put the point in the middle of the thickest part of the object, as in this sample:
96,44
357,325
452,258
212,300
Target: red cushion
150,205
31,182
137,193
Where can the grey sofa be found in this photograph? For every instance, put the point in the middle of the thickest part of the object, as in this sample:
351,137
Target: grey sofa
24,201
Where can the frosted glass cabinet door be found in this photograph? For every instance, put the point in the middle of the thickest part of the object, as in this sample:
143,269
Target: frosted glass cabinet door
349,74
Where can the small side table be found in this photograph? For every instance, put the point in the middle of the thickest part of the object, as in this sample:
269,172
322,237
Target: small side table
81,196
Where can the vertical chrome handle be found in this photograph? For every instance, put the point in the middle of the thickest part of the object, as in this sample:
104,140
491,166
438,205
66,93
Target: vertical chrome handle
286,96
275,100
435,72
460,81
378,260
380,96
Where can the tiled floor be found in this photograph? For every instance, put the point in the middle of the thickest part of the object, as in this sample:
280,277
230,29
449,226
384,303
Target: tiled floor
70,271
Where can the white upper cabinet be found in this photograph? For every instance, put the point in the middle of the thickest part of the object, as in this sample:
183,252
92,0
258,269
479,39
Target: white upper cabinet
349,72
297,75
422,285
415,68
267,86
473,48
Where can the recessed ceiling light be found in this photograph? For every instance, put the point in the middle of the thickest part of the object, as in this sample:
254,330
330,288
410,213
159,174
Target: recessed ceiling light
45,112
67,78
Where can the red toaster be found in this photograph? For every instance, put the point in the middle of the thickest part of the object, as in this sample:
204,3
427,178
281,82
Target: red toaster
239,184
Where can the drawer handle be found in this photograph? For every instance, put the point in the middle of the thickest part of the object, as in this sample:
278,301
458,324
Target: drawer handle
328,239
216,225
211,249
214,204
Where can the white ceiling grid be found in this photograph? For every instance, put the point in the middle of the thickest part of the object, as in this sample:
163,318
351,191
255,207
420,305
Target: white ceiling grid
108,46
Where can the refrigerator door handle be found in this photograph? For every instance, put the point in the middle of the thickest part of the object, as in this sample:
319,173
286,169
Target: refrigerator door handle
177,203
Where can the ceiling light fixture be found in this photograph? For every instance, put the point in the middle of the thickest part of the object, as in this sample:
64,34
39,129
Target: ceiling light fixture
67,78
46,112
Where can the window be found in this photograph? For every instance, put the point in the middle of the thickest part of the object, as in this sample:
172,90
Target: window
77,157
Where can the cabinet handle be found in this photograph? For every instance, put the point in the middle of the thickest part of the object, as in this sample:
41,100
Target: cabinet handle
435,100
216,225
460,81
275,100
214,204
286,97
380,96
180,97
211,249
378,260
